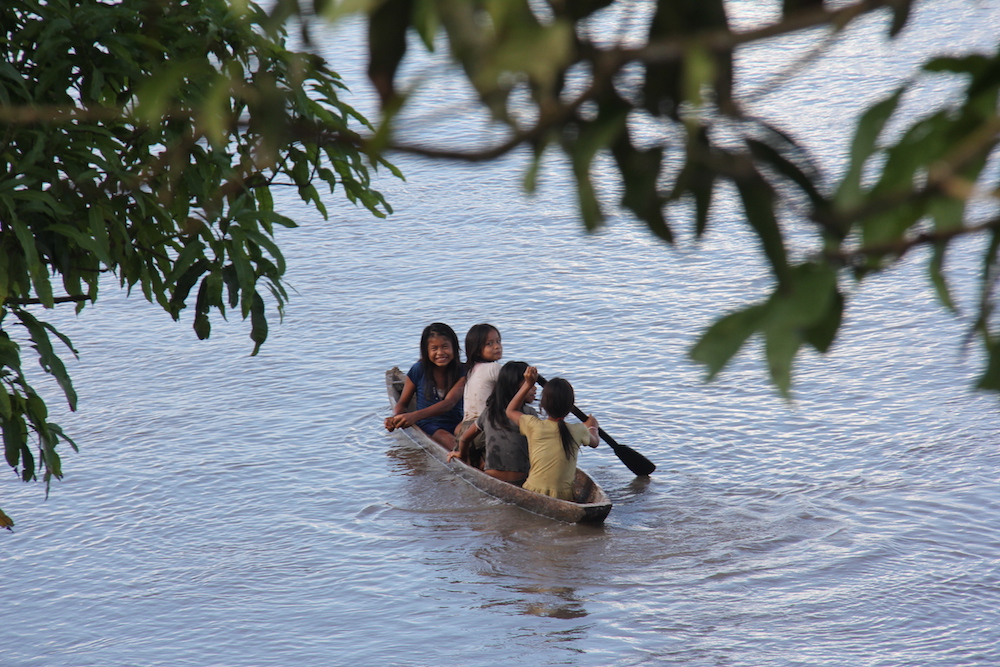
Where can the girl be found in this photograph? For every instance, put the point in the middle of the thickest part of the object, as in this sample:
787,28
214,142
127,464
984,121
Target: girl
484,350
552,443
506,449
438,380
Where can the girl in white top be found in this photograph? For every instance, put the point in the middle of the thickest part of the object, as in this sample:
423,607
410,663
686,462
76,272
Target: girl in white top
484,351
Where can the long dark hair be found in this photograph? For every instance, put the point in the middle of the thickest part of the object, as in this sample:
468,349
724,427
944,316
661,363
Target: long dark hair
454,368
474,342
508,382
557,401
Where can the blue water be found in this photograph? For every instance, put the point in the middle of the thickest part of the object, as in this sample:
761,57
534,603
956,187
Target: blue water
228,510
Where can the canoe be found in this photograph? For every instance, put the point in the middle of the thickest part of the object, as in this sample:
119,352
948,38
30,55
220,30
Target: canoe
591,503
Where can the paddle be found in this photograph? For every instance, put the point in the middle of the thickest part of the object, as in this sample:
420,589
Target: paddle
632,459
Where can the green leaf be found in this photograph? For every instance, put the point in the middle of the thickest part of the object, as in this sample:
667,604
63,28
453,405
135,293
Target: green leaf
184,285
793,172
900,14
39,272
244,269
990,379
14,433
426,21
193,250
640,172
5,406
27,464
725,338
823,331
869,128
258,323
780,346
6,521
202,325
47,358
758,204
387,26
936,271
697,178
530,180
57,430
593,137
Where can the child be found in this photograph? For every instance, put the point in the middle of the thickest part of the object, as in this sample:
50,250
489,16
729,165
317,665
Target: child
506,449
552,443
484,351
438,380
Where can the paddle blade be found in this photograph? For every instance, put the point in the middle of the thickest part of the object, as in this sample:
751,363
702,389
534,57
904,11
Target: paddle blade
632,459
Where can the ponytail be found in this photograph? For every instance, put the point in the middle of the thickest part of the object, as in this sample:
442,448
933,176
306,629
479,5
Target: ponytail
569,445
557,401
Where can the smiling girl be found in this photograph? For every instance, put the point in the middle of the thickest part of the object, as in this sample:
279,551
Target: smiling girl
438,380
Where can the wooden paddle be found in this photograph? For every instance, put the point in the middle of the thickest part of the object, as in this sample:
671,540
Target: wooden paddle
632,459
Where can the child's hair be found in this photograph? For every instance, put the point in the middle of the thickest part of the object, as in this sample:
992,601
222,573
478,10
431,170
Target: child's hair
508,382
454,367
474,342
557,401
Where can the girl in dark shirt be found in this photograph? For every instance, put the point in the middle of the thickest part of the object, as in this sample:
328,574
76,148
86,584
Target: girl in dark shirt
438,381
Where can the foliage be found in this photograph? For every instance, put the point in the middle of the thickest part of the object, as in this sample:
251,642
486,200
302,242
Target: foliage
142,139
584,93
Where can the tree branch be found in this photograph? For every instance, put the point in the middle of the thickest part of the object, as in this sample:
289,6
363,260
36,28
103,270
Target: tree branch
608,62
900,247
37,302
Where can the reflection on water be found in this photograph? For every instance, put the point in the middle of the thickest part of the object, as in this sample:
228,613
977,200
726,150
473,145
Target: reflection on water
547,601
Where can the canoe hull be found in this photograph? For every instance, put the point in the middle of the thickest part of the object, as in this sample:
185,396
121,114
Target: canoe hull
593,504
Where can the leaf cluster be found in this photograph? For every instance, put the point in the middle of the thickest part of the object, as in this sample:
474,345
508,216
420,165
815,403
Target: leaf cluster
588,94
143,139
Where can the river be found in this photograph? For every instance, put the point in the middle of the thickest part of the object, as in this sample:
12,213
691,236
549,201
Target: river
228,510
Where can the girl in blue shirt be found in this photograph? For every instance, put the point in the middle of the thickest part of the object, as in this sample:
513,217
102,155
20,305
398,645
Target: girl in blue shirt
438,381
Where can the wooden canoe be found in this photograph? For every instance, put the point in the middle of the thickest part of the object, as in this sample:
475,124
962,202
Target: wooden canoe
592,504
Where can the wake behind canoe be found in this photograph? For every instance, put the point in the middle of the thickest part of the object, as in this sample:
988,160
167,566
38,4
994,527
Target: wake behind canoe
592,504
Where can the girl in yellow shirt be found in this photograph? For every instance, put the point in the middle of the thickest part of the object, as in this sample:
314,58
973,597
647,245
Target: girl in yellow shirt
553,444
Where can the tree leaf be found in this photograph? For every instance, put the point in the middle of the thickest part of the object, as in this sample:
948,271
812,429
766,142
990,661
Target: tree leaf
780,346
387,27
725,338
6,521
47,357
758,204
258,322
6,409
793,172
900,14
13,439
823,331
990,379
869,128
935,269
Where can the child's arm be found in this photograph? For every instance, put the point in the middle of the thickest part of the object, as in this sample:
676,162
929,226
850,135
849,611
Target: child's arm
404,400
592,426
513,411
463,443
408,419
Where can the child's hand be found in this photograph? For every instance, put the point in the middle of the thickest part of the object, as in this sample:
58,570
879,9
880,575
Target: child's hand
531,375
398,421
453,455
591,423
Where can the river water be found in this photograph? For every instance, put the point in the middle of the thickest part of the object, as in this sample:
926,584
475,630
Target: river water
236,511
